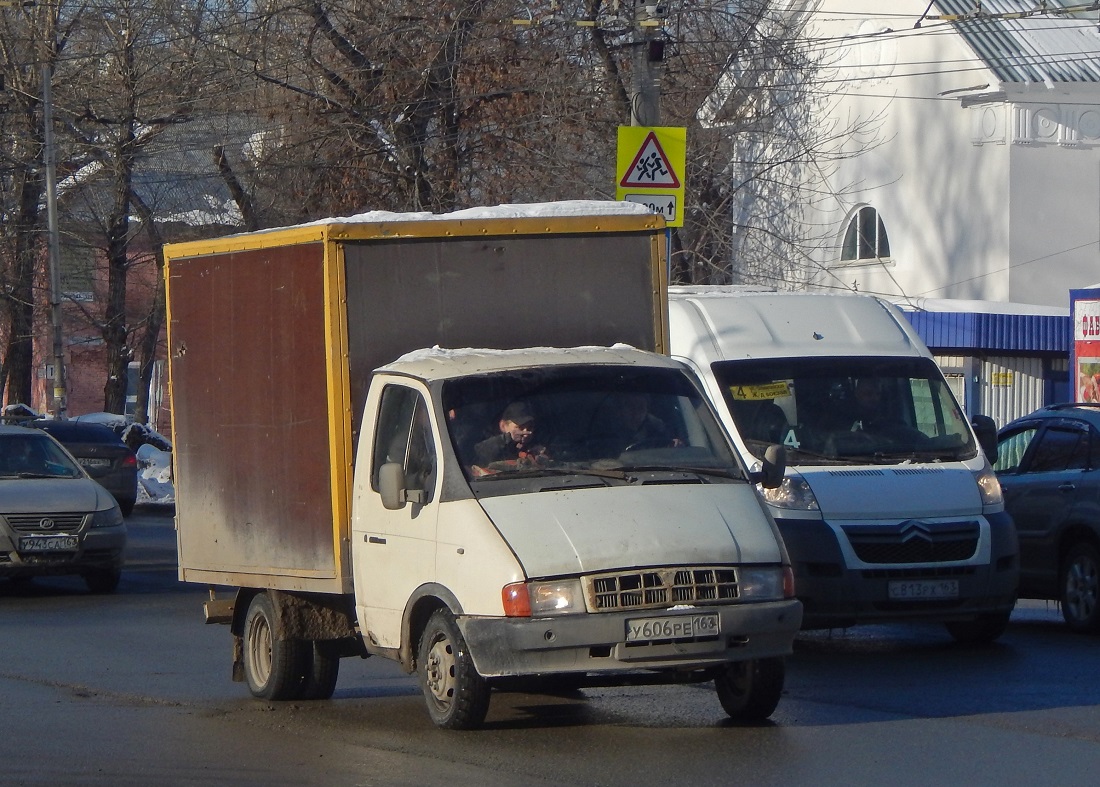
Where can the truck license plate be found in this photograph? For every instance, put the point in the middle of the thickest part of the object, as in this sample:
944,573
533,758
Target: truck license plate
924,589
677,627
48,543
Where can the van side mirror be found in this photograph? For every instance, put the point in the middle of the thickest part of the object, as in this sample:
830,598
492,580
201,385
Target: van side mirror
985,428
772,468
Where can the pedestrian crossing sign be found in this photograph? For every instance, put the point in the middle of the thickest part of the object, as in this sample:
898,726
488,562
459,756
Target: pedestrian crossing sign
649,169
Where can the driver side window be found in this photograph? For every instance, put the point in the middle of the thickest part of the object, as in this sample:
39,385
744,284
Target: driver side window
404,436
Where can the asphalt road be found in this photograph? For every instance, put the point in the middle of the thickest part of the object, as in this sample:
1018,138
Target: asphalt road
133,688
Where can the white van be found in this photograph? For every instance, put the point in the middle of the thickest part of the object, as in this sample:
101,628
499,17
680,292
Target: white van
889,508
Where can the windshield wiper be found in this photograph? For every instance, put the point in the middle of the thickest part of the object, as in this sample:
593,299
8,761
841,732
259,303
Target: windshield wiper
699,471
537,472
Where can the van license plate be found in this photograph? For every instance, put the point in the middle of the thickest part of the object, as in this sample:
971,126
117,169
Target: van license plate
48,543
924,589
678,627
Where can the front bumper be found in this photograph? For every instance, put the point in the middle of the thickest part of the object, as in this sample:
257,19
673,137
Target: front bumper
596,642
98,548
837,595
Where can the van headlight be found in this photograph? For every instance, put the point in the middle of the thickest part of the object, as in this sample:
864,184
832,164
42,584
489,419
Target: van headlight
793,493
988,486
761,584
543,599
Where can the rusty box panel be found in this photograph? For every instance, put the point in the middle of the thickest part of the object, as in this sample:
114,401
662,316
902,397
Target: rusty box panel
500,293
250,417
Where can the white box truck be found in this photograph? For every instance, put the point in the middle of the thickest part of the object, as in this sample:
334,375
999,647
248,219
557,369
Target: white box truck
889,510
486,517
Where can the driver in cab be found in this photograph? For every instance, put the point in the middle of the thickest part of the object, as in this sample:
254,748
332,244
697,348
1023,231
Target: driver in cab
514,443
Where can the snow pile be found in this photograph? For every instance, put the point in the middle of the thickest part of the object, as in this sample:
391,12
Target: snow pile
154,455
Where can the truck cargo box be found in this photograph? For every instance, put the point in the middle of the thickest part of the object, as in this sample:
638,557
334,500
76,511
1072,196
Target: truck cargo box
273,337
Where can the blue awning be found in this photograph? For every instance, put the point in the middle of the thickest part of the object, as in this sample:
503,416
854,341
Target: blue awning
947,331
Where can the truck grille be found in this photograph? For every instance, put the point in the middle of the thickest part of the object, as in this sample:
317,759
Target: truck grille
45,523
660,587
914,541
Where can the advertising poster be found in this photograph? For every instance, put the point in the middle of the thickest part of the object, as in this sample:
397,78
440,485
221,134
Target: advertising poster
1085,310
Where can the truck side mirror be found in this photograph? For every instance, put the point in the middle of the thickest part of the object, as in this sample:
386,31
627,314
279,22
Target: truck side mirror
391,485
986,431
772,468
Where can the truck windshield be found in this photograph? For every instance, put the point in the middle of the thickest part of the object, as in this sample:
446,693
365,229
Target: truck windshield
598,420
832,410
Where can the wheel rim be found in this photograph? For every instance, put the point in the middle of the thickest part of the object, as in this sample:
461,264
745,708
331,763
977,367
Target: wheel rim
1082,589
439,672
259,650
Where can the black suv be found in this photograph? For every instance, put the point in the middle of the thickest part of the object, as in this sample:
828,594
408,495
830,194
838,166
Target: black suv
1048,464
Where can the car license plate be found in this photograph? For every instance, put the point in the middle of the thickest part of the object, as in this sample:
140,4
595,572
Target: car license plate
92,462
677,627
924,589
48,543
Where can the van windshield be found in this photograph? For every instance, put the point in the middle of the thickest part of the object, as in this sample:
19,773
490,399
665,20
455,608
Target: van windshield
833,410
601,422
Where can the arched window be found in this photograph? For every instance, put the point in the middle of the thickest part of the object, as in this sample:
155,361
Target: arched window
865,238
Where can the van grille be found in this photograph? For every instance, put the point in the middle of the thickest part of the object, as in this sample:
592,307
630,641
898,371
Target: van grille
661,587
914,541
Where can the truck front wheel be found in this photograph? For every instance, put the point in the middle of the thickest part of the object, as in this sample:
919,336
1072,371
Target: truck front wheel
274,668
749,690
457,697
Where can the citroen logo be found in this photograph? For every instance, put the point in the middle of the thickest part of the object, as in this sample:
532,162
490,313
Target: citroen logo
914,529
46,523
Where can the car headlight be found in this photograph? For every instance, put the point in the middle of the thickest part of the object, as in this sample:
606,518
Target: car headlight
108,517
543,599
793,493
989,486
761,584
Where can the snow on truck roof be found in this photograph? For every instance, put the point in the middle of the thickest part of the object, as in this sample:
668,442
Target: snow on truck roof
534,210
439,362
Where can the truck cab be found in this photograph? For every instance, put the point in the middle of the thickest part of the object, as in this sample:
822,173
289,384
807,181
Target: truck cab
587,556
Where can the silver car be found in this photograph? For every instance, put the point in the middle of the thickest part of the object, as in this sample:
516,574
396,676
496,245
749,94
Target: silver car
54,519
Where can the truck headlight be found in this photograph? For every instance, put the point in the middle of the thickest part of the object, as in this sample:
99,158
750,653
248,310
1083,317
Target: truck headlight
793,493
543,599
761,584
989,486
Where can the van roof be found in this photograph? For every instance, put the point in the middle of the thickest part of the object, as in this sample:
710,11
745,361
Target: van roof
715,323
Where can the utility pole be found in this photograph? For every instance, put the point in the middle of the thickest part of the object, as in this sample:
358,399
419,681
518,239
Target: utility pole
53,238
648,54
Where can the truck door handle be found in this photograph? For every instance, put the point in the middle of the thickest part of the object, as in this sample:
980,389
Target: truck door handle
374,539
1066,487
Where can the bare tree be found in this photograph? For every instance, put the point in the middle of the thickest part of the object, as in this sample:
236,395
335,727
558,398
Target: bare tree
137,71
31,40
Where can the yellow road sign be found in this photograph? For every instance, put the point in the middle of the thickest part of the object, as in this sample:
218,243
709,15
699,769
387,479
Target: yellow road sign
650,169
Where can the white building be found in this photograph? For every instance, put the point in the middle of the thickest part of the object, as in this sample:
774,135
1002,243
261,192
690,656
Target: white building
985,179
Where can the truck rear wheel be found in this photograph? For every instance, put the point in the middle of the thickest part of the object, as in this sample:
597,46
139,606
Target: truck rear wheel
322,670
274,668
749,690
457,697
